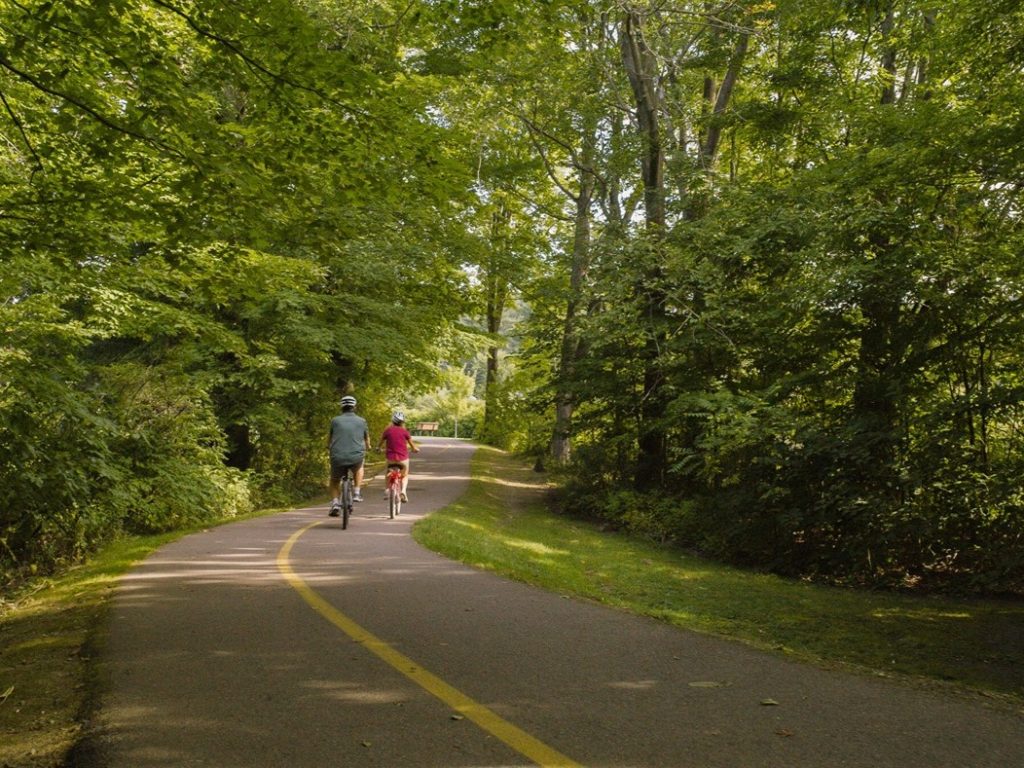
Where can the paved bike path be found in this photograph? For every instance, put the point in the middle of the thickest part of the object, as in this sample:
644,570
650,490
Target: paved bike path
215,658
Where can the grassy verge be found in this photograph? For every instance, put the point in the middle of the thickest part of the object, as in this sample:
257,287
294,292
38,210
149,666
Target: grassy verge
48,634
974,646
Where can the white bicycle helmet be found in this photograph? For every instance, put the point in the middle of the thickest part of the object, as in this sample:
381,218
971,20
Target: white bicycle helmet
348,400
397,417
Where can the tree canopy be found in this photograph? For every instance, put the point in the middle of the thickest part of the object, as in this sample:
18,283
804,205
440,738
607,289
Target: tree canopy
747,272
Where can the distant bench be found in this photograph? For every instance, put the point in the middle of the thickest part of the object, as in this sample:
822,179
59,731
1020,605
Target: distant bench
426,427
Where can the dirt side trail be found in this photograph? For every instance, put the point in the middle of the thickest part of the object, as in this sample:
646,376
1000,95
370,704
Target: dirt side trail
285,641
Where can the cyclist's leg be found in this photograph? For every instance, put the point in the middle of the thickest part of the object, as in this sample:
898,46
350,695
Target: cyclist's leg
391,492
405,477
335,487
357,470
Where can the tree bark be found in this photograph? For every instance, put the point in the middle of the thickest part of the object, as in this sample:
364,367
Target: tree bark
640,64
641,70
875,396
565,400
497,297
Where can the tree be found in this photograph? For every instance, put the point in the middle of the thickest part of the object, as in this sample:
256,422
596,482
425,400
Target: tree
211,221
452,403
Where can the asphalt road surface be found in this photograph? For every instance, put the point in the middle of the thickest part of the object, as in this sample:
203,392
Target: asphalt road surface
286,641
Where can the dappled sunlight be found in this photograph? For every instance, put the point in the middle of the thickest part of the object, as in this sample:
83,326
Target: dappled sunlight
353,693
417,477
921,614
147,713
83,584
688,574
466,524
675,615
53,641
534,546
537,486
634,685
177,749
231,556
323,578
205,572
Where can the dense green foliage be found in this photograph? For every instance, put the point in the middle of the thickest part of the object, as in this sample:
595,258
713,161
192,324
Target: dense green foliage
782,324
764,256
215,219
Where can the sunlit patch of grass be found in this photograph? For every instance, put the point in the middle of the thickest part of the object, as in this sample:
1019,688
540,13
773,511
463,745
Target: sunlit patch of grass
535,546
974,644
921,614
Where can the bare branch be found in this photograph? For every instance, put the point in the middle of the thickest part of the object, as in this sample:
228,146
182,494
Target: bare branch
710,148
21,129
91,111
549,169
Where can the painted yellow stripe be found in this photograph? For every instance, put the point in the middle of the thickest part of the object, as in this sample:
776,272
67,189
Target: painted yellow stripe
519,740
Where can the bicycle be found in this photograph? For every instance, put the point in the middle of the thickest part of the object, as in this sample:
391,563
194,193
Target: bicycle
347,495
393,483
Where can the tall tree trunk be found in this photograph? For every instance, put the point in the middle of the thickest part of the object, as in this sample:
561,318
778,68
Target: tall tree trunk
565,400
497,297
875,405
641,69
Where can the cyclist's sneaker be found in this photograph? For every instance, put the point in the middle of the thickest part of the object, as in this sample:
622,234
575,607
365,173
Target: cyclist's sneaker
335,510
358,496
403,497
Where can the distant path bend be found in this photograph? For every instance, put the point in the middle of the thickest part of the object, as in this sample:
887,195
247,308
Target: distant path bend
285,641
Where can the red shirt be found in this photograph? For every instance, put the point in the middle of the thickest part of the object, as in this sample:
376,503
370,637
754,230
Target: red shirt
397,447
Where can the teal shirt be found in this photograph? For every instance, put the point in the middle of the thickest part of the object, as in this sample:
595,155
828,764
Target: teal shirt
348,438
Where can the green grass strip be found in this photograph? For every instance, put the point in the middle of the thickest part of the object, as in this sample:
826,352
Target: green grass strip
502,524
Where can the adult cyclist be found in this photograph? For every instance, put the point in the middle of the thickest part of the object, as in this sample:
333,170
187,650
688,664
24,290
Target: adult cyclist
397,443
349,441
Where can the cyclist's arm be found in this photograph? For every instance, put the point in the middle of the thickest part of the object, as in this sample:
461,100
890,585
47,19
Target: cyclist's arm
412,444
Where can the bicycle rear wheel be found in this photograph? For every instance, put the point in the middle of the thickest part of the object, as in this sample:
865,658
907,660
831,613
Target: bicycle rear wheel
346,501
394,485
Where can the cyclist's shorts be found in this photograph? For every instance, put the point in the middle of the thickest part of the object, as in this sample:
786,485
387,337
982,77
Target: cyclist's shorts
403,465
338,469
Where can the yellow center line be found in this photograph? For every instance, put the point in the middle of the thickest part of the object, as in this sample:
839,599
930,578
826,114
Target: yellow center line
517,739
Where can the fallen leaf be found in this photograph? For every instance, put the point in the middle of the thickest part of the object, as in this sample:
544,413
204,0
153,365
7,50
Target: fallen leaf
706,684
783,732
769,703
458,717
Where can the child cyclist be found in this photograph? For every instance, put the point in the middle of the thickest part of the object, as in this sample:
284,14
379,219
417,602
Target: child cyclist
396,441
